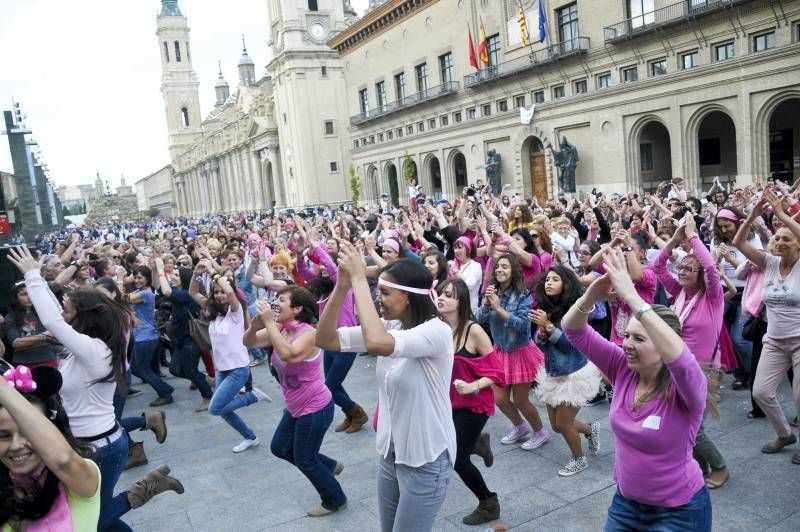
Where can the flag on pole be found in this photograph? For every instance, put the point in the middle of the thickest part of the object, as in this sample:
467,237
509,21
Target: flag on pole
473,59
523,25
542,23
482,46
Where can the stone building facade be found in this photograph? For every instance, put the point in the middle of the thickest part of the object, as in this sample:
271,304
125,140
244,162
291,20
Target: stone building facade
155,192
110,207
645,89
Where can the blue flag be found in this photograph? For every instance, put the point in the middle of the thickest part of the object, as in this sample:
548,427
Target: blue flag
542,23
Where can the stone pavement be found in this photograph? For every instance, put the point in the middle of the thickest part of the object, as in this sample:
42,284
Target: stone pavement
256,491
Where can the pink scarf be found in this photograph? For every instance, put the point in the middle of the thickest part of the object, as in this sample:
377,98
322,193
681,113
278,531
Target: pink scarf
60,515
681,308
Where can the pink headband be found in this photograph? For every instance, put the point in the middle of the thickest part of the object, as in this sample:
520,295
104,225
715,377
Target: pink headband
391,244
430,292
466,241
729,215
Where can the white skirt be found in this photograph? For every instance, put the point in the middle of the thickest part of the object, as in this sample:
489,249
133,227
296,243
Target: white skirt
573,389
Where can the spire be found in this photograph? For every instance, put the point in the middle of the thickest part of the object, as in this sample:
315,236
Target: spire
221,87
247,69
245,59
169,8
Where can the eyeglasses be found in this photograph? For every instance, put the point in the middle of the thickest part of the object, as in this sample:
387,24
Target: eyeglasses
688,269
534,235
586,253
116,257
185,264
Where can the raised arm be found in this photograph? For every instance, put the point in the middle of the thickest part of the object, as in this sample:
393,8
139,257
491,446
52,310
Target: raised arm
194,287
756,256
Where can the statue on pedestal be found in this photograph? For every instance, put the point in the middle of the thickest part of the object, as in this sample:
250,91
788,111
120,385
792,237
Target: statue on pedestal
566,159
493,170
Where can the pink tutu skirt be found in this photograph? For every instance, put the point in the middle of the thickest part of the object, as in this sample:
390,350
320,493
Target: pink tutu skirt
520,365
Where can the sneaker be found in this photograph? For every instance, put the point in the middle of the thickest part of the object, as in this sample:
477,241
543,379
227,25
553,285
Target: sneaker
133,391
574,466
246,444
261,395
597,399
517,433
321,511
256,362
594,438
337,470
610,394
203,406
537,440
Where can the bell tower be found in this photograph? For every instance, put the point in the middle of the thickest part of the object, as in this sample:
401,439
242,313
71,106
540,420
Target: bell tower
179,84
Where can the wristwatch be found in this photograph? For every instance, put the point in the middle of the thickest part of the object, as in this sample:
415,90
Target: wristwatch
642,310
550,328
627,248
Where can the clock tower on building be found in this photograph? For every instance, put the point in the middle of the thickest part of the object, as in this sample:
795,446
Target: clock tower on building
310,99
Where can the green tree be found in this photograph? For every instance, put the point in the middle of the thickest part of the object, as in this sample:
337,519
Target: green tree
355,185
409,168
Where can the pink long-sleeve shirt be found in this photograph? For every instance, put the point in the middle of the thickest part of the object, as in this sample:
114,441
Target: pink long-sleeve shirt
347,314
653,445
702,326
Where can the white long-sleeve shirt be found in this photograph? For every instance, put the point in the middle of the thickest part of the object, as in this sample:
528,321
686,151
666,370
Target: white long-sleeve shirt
90,407
413,391
472,274
567,244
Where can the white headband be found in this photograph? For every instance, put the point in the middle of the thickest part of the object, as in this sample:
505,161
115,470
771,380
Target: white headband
430,292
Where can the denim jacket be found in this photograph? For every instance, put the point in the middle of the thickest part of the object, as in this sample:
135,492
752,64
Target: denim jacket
515,332
560,357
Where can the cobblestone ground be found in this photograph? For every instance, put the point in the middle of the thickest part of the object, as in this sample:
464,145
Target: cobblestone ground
256,491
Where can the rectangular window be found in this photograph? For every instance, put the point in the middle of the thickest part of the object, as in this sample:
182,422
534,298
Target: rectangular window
389,135
399,132
422,77
502,106
567,20
446,67
420,127
177,51
380,92
604,80
312,5
323,70
363,101
400,86
329,127
486,109
410,130
444,120
796,32
724,51
355,143
166,51
762,42
658,67
471,113
334,167
581,86
457,117
431,123
372,139
641,12
558,92
538,97
380,137
493,49
519,101
630,74
690,60
646,157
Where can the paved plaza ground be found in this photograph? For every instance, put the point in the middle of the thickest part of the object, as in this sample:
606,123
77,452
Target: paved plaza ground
256,491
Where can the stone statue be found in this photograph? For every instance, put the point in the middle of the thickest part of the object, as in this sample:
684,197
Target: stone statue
493,170
566,159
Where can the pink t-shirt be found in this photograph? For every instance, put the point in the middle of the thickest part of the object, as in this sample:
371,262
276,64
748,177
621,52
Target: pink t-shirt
226,334
621,313
303,387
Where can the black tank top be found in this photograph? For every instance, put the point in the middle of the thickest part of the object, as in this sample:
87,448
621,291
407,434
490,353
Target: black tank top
464,352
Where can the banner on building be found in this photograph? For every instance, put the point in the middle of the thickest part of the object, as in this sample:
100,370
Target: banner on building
526,115
5,228
515,26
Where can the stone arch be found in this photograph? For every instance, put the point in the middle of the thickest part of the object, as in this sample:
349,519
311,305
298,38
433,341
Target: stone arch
370,194
392,182
534,168
761,130
522,182
457,165
633,162
692,138
432,175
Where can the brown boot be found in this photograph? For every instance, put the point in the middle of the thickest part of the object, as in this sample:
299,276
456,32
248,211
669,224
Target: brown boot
136,456
157,422
357,419
487,510
345,424
155,482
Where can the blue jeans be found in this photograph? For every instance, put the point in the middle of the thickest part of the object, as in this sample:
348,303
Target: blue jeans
336,366
742,347
142,362
255,352
627,514
183,364
111,460
297,440
128,423
226,399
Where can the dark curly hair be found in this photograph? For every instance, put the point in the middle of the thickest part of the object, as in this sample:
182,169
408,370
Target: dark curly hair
557,306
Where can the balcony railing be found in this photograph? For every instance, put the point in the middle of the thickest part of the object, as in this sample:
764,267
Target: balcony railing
450,87
665,16
570,47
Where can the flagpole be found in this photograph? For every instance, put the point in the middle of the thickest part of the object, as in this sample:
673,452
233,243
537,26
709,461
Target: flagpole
528,31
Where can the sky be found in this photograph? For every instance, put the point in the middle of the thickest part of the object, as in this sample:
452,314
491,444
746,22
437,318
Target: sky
88,74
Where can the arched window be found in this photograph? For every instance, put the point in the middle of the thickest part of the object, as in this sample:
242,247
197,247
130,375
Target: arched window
166,51
312,5
184,117
188,52
177,51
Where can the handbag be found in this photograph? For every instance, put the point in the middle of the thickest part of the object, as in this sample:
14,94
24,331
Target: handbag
198,330
753,328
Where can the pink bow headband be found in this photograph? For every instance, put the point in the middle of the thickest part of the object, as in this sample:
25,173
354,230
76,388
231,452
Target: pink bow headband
729,215
430,292
20,378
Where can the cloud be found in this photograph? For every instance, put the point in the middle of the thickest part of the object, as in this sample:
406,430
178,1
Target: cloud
88,76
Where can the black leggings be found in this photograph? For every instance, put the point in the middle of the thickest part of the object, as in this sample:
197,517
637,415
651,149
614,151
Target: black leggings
468,426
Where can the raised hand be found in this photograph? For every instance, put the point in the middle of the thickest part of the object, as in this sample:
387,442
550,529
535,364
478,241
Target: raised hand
350,261
617,271
21,257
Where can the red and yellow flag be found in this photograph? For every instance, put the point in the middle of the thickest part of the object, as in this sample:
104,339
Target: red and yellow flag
482,47
523,25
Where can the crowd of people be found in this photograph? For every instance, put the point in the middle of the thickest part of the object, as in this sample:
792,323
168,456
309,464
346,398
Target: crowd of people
649,302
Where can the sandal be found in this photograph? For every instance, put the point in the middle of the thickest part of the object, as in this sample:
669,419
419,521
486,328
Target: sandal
752,415
713,483
780,443
738,384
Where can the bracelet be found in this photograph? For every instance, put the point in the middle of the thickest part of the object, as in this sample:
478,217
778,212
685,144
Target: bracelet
581,309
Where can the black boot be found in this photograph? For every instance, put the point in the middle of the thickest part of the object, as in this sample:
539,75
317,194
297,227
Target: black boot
487,510
483,449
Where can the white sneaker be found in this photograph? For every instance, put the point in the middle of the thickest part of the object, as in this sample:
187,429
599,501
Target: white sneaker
516,434
261,395
246,444
574,466
537,440
594,439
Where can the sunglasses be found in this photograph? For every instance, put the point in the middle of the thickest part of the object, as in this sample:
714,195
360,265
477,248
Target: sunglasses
534,235
184,263
586,253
